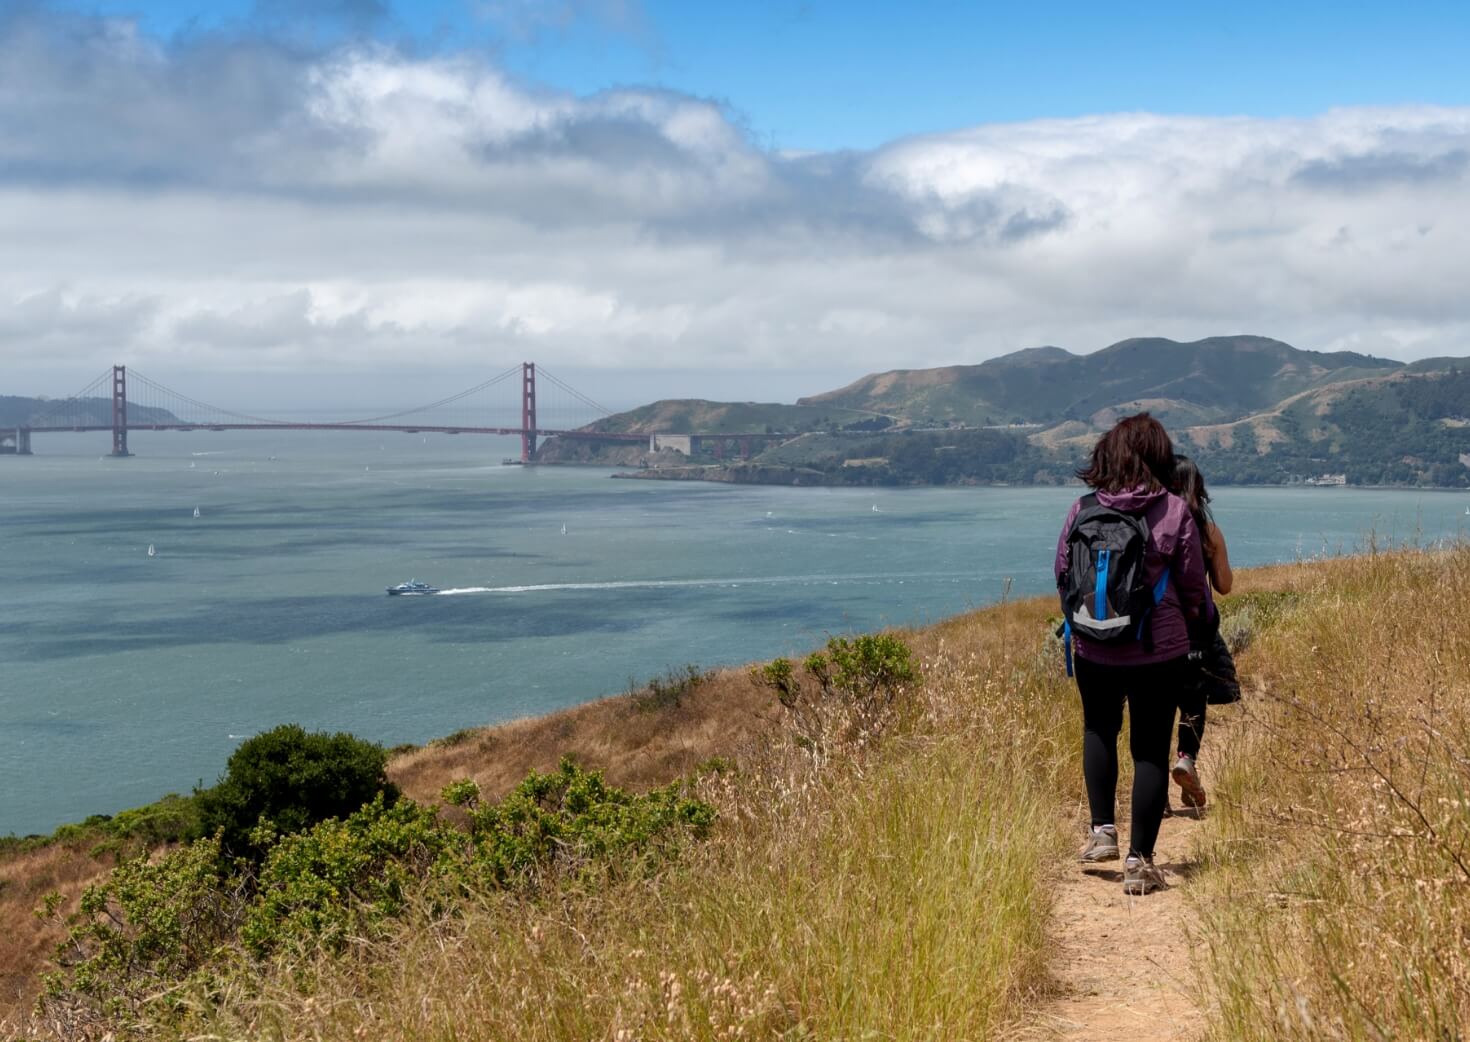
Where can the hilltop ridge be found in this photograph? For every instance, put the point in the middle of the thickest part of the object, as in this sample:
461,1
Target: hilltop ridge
1253,408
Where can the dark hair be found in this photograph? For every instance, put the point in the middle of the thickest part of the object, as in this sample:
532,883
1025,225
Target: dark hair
1136,452
1189,485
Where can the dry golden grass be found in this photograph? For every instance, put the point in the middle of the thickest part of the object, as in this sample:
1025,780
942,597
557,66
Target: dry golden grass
635,747
893,887
27,942
1338,905
899,886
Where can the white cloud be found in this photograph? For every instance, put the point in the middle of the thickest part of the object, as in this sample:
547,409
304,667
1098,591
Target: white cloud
232,204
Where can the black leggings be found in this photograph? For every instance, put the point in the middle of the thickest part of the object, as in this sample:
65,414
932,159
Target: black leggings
1191,719
1152,693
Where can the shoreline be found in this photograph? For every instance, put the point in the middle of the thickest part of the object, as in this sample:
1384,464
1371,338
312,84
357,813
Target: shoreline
532,729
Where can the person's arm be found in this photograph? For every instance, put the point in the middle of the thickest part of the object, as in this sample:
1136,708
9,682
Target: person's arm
1219,562
1188,569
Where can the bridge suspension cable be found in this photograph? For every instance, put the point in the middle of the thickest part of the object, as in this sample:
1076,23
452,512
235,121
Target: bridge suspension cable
512,371
563,385
91,390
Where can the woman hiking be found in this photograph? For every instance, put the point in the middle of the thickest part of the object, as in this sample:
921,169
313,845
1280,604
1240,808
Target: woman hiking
1127,650
1216,667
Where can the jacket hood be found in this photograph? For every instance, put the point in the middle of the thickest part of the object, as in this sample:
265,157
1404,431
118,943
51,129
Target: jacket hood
1131,501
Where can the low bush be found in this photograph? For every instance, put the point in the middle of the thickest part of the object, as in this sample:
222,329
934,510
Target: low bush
154,927
291,779
856,680
669,690
344,878
151,924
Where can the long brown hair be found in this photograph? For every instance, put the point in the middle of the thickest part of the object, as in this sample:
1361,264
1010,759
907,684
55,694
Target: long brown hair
1136,452
1189,485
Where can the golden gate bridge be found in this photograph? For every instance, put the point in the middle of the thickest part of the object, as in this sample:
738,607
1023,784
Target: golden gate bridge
506,404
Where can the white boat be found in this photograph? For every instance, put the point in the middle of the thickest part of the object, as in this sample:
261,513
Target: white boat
196,511
563,529
152,552
411,588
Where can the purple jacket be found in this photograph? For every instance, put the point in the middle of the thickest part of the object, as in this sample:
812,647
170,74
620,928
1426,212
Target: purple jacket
1173,543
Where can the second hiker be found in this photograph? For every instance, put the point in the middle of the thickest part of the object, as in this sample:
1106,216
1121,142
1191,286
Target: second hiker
1131,575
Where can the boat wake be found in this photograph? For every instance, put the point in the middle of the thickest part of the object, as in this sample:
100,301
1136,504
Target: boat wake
759,580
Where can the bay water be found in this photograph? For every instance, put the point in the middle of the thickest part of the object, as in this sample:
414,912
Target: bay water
124,676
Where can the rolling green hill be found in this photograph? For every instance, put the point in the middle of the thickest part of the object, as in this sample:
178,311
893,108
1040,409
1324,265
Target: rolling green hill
18,411
1252,409
1205,381
683,415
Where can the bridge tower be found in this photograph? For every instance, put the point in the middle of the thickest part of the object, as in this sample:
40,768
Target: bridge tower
120,411
528,411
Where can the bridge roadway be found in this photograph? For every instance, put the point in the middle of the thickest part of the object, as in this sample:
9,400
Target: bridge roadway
513,431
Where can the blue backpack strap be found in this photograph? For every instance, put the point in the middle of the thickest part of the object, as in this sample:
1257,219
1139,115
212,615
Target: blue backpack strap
1100,590
1160,588
1067,644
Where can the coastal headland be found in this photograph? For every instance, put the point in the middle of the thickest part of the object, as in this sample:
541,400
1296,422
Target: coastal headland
1251,409
905,865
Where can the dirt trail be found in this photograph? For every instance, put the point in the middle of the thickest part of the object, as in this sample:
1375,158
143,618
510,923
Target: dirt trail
1124,963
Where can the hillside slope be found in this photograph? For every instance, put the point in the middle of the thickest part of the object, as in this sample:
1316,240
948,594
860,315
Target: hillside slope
940,841
1214,379
19,411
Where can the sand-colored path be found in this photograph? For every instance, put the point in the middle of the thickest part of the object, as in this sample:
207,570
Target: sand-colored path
1123,964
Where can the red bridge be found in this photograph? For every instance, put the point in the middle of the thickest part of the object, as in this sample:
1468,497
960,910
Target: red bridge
463,413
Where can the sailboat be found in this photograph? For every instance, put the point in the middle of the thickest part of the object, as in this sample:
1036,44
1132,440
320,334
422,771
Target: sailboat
196,511
152,552
563,529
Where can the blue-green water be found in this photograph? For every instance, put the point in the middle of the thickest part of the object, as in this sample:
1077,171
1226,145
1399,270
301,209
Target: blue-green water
124,676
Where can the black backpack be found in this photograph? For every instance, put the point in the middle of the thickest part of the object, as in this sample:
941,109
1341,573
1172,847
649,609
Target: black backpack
1105,595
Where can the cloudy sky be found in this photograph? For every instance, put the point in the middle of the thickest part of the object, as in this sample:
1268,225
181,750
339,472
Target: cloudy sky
712,199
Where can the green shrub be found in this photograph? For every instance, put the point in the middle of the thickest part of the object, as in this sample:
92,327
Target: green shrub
668,691
150,924
462,793
344,878
570,817
874,665
156,925
168,820
780,676
292,780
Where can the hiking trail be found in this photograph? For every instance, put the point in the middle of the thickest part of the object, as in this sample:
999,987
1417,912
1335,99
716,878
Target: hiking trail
1123,965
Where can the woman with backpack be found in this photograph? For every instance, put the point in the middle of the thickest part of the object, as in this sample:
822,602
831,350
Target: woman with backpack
1215,677
1131,576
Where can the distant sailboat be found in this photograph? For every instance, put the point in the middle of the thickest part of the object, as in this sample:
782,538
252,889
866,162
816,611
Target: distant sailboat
563,529
152,552
191,464
196,511
876,510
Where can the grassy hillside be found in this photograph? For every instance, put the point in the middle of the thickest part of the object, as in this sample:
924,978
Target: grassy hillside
1405,428
1213,379
890,873
90,412
683,415
1254,410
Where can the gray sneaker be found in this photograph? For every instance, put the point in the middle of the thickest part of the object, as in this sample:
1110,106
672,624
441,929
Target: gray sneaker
1190,789
1102,845
1141,876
